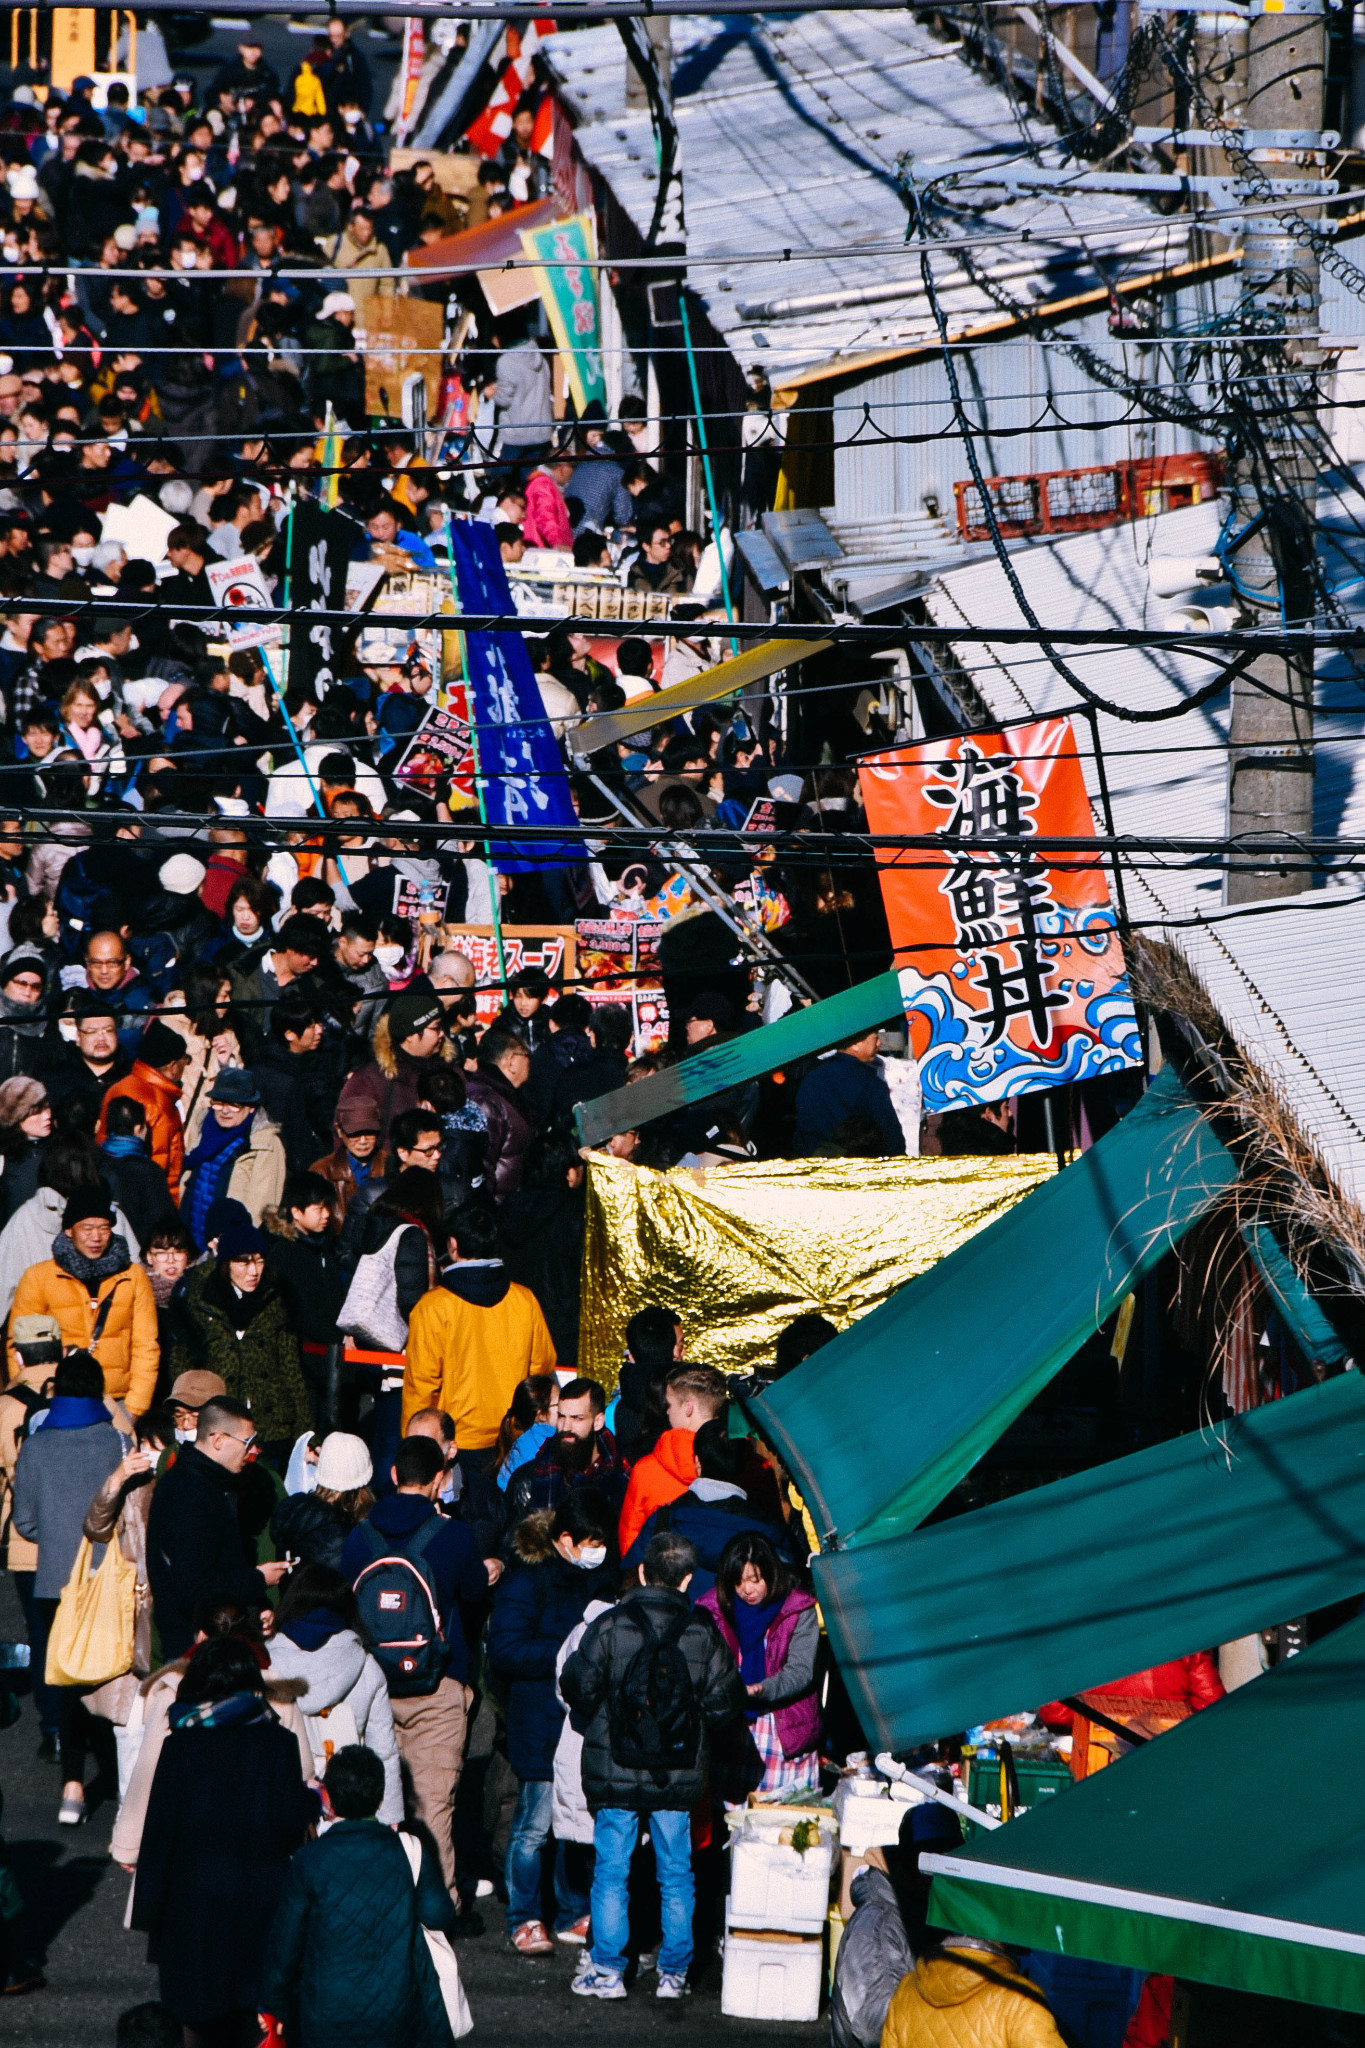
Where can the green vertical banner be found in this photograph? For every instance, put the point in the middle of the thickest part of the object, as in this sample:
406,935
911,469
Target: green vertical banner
566,279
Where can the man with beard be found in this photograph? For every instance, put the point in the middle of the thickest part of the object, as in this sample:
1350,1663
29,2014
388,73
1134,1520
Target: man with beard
582,1452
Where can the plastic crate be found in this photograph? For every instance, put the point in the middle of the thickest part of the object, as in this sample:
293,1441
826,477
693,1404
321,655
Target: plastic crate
1036,1781
776,1979
772,1885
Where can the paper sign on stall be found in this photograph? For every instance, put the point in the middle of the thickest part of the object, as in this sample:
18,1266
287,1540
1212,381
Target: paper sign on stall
239,588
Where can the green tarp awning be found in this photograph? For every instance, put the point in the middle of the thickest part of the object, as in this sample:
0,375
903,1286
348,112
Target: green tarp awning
793,1037
1227,1530
879,1426
1230,1851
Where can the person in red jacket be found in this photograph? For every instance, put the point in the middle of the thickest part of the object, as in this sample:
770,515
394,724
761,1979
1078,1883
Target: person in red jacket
661,1476
1150,2026
1149,1702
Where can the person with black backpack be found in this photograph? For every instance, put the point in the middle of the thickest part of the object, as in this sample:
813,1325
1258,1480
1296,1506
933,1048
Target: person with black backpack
646,1686
412,1569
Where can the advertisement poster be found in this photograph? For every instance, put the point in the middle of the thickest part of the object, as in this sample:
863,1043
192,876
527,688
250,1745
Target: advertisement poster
439,758
651,1005
568,291
421,903
1011,969
618,962
606,952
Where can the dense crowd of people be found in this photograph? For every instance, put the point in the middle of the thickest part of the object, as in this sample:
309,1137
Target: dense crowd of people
329,1557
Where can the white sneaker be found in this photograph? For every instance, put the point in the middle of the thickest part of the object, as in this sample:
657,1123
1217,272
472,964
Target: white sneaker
590,1982
484,1888
672,1984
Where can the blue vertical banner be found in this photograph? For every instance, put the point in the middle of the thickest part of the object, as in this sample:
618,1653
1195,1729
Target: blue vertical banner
525,780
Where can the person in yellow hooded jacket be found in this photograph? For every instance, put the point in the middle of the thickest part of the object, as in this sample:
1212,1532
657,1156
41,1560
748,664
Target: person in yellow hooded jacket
968,1994
102,1300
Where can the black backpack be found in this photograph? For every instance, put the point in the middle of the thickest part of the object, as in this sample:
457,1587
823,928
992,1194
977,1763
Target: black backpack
654,1719
399,1613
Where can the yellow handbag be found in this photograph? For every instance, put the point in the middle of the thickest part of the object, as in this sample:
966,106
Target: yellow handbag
92,1631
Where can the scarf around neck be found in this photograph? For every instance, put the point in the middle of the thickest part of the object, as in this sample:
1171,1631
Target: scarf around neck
125,1148
90,1272
751,1625
210,1165
74,1411
238,1710
28,1019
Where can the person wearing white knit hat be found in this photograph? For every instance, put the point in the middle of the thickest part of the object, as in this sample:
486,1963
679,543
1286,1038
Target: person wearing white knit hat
181,875
344,1464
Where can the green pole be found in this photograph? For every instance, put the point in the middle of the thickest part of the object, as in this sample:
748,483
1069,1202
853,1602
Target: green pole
706,461
478,763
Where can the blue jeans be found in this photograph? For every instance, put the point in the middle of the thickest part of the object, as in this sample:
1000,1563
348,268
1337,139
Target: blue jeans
614,1837
530,1832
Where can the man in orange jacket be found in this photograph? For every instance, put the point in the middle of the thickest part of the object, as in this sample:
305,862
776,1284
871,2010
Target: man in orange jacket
693,1394
158,1069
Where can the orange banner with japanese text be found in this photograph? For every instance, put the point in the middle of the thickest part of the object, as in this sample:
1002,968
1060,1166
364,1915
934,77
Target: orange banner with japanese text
1011,967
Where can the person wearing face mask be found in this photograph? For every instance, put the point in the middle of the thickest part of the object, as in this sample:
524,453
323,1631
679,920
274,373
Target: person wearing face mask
190,1392
561,1563
429,1707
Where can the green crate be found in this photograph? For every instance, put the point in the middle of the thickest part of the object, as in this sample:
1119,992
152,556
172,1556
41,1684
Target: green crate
1037,1781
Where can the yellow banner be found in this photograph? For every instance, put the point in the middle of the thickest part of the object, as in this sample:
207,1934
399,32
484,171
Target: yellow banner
739,1251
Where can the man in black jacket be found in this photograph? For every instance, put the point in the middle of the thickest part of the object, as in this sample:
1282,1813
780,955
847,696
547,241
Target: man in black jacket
599,1685
195,1550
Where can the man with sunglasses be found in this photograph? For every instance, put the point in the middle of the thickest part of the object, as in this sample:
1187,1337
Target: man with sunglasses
196,1549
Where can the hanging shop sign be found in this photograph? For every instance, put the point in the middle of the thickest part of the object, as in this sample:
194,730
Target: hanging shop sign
1011,968
568,289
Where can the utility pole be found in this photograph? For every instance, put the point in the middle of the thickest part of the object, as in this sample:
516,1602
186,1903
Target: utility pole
1270,766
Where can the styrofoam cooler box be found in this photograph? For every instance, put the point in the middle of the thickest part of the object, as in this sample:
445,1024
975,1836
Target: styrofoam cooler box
771,1980
773,1885
867,1819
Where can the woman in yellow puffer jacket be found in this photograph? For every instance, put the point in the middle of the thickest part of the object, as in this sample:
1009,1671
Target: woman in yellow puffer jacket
968,1994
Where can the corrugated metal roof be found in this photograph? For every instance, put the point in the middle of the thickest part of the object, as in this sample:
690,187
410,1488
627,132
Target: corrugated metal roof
790,131
1281,980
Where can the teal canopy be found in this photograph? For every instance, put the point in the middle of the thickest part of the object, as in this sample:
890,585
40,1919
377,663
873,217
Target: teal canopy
793,1037
1230,1529
1217,1852
882,1423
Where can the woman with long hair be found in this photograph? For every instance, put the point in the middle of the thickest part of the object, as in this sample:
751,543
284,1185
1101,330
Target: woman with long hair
227,1811
25,1126
201,1011
24,333
770,1627
528,1424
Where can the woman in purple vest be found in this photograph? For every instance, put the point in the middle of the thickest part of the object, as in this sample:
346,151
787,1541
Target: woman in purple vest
770,1627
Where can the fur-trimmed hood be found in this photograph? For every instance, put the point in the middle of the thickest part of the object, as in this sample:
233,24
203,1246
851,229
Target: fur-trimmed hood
531,1542
386,1052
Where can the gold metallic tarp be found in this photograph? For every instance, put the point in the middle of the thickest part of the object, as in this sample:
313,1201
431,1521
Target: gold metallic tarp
738,1251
